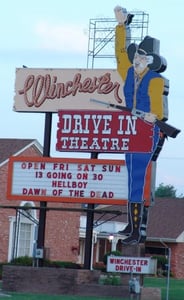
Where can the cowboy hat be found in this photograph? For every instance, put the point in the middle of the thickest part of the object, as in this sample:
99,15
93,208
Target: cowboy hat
149,47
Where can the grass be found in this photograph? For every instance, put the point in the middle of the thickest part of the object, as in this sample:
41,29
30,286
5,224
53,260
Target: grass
176,287
176,292
16,296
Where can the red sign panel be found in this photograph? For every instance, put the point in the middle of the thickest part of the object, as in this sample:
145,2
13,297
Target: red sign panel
102,131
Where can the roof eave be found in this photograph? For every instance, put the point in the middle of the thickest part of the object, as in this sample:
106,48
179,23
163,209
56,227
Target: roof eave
32,143
161,239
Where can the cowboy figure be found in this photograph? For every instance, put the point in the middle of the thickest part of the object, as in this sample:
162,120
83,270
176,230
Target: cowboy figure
144,89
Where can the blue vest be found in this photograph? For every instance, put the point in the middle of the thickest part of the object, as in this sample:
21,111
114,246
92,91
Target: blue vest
142,96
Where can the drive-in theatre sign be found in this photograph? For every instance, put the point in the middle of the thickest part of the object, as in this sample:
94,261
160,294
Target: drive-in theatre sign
67,180
133,265
50,90
102,131
84,127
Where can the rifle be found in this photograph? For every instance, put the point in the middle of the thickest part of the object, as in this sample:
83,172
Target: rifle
167,129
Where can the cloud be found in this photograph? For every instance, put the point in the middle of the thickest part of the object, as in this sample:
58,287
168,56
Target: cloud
68,38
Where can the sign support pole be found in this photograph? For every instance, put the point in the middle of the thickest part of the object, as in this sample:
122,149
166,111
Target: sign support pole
43,204
89,229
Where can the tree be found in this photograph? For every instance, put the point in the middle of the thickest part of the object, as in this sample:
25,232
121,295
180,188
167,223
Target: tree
165,191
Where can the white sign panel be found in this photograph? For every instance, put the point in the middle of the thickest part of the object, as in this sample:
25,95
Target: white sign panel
50,90
124,264
67,180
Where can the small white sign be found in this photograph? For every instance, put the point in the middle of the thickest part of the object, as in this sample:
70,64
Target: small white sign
124,264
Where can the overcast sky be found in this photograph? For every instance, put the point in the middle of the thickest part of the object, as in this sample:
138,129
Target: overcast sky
54,34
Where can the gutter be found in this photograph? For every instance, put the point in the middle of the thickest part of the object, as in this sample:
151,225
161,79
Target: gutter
158,239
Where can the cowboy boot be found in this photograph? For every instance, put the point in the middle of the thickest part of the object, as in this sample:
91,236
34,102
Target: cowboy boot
144,223
136,217
128,229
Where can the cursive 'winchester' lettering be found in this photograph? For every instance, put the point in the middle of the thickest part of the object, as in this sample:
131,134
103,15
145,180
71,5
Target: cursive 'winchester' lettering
37,89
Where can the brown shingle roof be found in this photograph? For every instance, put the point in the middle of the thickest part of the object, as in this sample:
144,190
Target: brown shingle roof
9,147
166,218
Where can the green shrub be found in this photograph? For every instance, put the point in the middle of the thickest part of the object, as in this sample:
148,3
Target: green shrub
1,269
162,262
22,261
110,279
116,280
61,264
28,261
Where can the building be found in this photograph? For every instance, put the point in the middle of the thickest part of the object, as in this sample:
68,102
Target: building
165,232
66,224
19,227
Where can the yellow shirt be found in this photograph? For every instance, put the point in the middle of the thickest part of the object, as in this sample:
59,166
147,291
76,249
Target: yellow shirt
156,85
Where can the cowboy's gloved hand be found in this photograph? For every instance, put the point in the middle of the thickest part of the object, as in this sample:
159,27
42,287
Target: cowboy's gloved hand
120,14
149,117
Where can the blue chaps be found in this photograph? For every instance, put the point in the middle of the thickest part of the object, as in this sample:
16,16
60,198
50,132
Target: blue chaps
137,164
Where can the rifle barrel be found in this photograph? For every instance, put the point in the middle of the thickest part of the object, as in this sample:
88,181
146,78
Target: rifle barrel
166,128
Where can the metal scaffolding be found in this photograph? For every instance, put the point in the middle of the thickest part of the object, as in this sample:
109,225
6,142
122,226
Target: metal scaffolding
102,38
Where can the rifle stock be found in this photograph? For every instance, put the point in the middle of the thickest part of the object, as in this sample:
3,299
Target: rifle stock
167,129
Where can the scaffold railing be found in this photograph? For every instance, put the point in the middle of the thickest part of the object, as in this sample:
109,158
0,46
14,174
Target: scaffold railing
102,38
